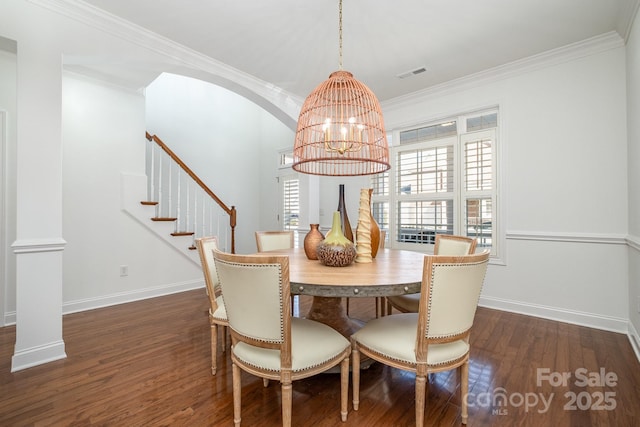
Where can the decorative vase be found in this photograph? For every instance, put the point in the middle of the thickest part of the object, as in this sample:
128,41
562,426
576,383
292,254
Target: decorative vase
312,240
344,218
375,230
363,231
336,250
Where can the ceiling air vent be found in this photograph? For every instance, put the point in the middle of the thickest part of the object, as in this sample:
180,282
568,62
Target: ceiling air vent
413,72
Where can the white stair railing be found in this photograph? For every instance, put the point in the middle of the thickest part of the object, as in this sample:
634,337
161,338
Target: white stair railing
180,196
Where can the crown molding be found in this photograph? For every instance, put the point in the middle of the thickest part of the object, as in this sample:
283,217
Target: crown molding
177,54
584,48
626,17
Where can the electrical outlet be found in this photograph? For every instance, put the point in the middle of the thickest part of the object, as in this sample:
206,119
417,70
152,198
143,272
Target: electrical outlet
124,270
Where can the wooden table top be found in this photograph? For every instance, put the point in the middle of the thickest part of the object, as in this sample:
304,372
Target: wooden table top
392,272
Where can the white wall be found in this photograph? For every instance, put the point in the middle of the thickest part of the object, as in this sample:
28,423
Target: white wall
633,129
103,136
563,188
228,141
329,193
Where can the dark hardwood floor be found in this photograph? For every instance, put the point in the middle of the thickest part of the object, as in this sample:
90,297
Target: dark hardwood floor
147,363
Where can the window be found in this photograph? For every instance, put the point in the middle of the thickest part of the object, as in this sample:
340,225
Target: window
442,182
379,200
286,159
290,202
478,194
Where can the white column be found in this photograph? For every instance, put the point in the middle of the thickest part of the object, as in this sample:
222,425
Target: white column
39,243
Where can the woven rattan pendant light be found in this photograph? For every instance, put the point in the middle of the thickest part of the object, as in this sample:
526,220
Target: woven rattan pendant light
340,128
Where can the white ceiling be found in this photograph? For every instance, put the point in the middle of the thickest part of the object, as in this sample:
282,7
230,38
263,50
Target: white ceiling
293,44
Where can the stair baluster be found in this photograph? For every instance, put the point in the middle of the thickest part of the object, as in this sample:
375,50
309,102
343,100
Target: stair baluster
174,188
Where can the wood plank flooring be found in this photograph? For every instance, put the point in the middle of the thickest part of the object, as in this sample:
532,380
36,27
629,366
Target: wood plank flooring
147,363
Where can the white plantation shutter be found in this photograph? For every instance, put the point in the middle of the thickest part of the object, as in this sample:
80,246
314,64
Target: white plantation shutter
442,182
291,203
379,199
478,192
425,191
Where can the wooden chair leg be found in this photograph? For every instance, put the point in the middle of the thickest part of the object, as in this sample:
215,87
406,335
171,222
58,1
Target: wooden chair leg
344,388
214,348
464,390
287,400
355,377
381,307
421,388
237,391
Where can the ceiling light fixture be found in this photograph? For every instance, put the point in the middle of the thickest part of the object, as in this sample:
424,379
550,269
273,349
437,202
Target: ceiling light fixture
340,128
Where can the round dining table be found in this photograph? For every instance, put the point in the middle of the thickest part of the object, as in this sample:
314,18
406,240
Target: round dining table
391,272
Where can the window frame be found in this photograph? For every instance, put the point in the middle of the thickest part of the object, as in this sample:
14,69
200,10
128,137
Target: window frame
460,193
285,202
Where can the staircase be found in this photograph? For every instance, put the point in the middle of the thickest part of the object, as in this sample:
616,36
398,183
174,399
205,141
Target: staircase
178,207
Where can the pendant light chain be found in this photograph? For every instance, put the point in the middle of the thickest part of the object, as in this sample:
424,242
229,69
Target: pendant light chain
340,128
340,33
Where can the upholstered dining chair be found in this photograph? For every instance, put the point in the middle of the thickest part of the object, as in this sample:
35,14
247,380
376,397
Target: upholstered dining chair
217,312
445,244
272,240
437,337
267,341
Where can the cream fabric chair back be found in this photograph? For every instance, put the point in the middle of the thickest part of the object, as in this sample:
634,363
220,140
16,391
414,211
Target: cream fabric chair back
452,293
454,245
445,244
217,312
272,240
205,246
253,294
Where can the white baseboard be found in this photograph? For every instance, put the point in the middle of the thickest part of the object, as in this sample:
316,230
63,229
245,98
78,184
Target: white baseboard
9,318
124,297
597,321
634,338
119,298
27,358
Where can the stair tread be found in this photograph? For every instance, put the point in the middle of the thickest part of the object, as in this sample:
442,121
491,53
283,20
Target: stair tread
183,233
163,219
148,203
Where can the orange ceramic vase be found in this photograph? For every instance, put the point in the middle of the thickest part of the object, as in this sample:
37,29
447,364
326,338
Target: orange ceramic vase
311,241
